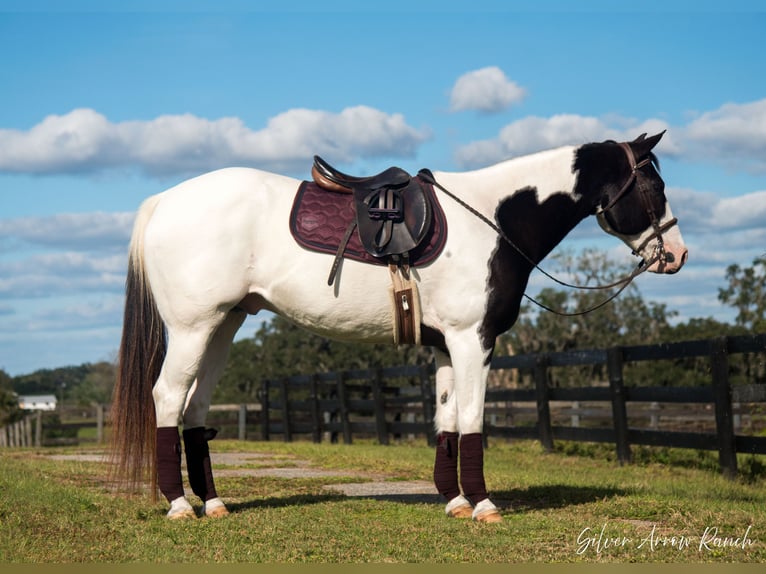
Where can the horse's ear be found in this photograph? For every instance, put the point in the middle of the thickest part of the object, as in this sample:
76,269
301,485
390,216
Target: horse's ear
642,145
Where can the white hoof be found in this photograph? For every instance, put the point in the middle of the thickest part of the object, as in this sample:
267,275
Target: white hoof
181,509
459,507
487,512
214,508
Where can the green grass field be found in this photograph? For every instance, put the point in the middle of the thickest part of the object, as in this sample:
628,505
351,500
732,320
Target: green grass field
573,505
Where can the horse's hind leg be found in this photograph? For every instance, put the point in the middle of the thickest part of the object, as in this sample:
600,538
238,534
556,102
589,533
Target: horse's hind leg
182,361
195,435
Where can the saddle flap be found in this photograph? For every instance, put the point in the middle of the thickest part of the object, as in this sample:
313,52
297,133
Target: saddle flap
393,221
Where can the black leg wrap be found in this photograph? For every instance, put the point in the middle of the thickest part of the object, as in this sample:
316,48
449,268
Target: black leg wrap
445,465
198,462
472,467
169,463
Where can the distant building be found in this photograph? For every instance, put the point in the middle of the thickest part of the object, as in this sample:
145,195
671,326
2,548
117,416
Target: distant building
38,402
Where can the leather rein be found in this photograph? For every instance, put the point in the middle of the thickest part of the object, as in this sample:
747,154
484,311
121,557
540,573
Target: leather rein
658,255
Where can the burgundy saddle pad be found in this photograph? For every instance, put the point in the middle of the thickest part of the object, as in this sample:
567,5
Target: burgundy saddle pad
319,220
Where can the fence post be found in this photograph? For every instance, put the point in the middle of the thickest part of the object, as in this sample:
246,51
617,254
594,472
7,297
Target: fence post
265,410
380,407
543,405
316,421
242,422
426,391
343,408
99,423
654,417
288,431
619,411
28,431
727,448
574,419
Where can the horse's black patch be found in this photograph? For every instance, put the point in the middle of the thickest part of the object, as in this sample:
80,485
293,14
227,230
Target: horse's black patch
535,229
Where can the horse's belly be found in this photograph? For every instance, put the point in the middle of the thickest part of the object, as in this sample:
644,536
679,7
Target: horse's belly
358,306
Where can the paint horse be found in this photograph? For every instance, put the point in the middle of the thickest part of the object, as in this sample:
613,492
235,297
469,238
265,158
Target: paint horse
215,248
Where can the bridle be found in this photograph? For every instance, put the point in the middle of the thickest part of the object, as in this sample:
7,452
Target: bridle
658,229
660,253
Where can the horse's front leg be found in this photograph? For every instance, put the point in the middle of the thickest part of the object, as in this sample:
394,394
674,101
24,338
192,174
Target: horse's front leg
447,440
471,368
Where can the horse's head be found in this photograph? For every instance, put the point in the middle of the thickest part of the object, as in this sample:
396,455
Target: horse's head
630,203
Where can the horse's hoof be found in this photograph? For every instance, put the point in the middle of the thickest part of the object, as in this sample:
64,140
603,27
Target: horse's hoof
214,508
217,512
464,511
491,516
182,515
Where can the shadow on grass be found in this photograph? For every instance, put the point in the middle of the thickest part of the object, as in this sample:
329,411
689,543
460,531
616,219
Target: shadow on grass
551,496
281,502
515,500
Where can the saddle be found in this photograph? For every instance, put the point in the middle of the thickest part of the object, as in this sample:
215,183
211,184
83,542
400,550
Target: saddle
398,223
393,212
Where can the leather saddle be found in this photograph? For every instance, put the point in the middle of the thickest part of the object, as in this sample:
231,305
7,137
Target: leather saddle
393,211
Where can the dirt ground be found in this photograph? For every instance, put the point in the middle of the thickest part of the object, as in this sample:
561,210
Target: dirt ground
370,485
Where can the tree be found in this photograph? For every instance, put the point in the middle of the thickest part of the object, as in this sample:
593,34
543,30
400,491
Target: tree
97,384
279,349
626,320
746,292
9,404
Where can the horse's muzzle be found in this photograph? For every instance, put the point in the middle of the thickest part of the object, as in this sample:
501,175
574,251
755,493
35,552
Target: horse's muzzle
674,259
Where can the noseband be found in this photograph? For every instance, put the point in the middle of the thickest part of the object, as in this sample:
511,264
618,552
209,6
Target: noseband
659,254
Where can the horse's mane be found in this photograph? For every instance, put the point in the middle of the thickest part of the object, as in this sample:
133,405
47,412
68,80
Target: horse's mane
600,146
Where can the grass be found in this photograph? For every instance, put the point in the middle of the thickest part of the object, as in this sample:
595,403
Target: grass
573,505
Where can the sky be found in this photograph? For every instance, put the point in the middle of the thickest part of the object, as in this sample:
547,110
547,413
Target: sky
101,108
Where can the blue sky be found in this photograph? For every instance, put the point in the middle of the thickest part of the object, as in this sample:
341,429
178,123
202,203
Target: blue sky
101,108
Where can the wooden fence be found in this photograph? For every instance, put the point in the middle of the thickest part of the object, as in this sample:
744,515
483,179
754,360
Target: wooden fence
398,402
26,432
360,402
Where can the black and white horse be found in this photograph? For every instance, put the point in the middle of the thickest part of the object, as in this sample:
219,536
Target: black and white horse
213,249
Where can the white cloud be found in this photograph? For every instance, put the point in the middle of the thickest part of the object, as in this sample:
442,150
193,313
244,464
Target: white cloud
533,133
485,90
85,141
96,230
743,212
54,274
63,254
734,135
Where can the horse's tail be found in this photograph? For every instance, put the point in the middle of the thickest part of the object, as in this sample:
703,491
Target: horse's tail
142,351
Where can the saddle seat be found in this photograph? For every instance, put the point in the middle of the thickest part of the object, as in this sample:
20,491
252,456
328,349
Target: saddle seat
393,211
327,177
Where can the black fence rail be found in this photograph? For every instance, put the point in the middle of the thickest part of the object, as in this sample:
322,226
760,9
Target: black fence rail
368,403
350,403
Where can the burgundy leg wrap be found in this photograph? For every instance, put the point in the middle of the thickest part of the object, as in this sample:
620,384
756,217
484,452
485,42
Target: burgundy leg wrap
472,467
198,462
445,465
169,463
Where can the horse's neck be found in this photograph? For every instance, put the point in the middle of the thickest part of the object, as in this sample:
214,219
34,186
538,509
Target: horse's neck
548,172
532,198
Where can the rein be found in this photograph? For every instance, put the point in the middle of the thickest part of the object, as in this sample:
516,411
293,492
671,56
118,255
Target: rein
623,282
